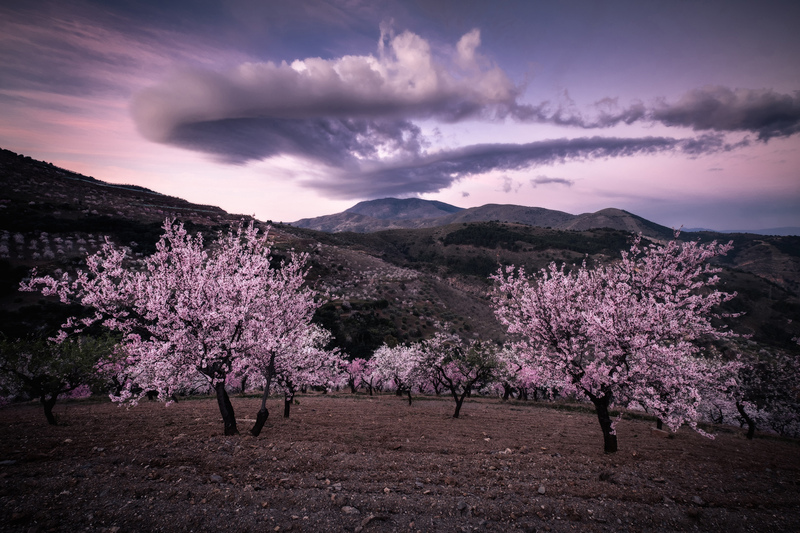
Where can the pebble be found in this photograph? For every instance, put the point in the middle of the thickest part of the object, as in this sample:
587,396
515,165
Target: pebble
349,510
216,479
697,500
542,490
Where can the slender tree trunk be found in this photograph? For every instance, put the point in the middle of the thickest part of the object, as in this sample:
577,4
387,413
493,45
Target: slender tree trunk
409,395
48,404
263,413
751,424
287,404
244,383
659,423
226,409
459,402
601,407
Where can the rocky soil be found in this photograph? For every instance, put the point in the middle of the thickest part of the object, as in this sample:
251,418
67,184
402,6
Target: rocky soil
355,463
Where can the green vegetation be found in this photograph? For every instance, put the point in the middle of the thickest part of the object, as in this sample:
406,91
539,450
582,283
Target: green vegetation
493,235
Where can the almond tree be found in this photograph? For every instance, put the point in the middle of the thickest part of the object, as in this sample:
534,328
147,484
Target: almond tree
306,363
397,366
286,330
44,369
188,314
623,332
371,377
355,371
764,389
459,366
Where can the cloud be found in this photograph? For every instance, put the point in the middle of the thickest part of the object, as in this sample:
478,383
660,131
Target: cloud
336,142
545,180
765,112
355,116
713,108
510,185
404,81
437,171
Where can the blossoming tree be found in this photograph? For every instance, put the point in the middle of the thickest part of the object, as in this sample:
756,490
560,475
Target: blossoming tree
397,367
306,363
622,332
763,389
189,313
459,366
44,369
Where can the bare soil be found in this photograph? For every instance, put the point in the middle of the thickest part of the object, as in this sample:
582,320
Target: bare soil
356,463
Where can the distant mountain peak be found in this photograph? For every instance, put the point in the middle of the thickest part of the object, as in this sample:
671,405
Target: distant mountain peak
403,208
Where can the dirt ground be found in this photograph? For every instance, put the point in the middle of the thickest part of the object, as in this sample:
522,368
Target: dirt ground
355,463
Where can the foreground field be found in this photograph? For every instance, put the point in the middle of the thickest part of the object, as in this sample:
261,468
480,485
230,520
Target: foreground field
376,464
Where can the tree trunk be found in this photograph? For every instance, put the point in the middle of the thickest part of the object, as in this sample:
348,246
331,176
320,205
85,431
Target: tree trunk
263,413
751,424
409,395
659,423
261,419
459,402
506,391
226,409
287,404
601,407
48,404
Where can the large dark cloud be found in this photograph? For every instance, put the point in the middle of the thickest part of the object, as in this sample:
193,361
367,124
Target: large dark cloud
764,112
438,171
335,142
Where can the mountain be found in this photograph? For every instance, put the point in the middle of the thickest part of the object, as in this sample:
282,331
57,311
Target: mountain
391,213
405,209
378,215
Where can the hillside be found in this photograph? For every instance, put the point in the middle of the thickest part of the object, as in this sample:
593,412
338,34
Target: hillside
386,286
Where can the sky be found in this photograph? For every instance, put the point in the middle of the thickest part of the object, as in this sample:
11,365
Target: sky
685,112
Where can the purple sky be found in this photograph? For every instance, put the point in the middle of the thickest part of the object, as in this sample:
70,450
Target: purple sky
683,112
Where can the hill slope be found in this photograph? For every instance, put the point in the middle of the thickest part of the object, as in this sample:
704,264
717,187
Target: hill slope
385,286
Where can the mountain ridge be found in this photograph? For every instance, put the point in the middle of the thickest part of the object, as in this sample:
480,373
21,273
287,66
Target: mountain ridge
392,213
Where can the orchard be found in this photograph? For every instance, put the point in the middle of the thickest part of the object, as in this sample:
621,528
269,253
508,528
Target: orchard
637,338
